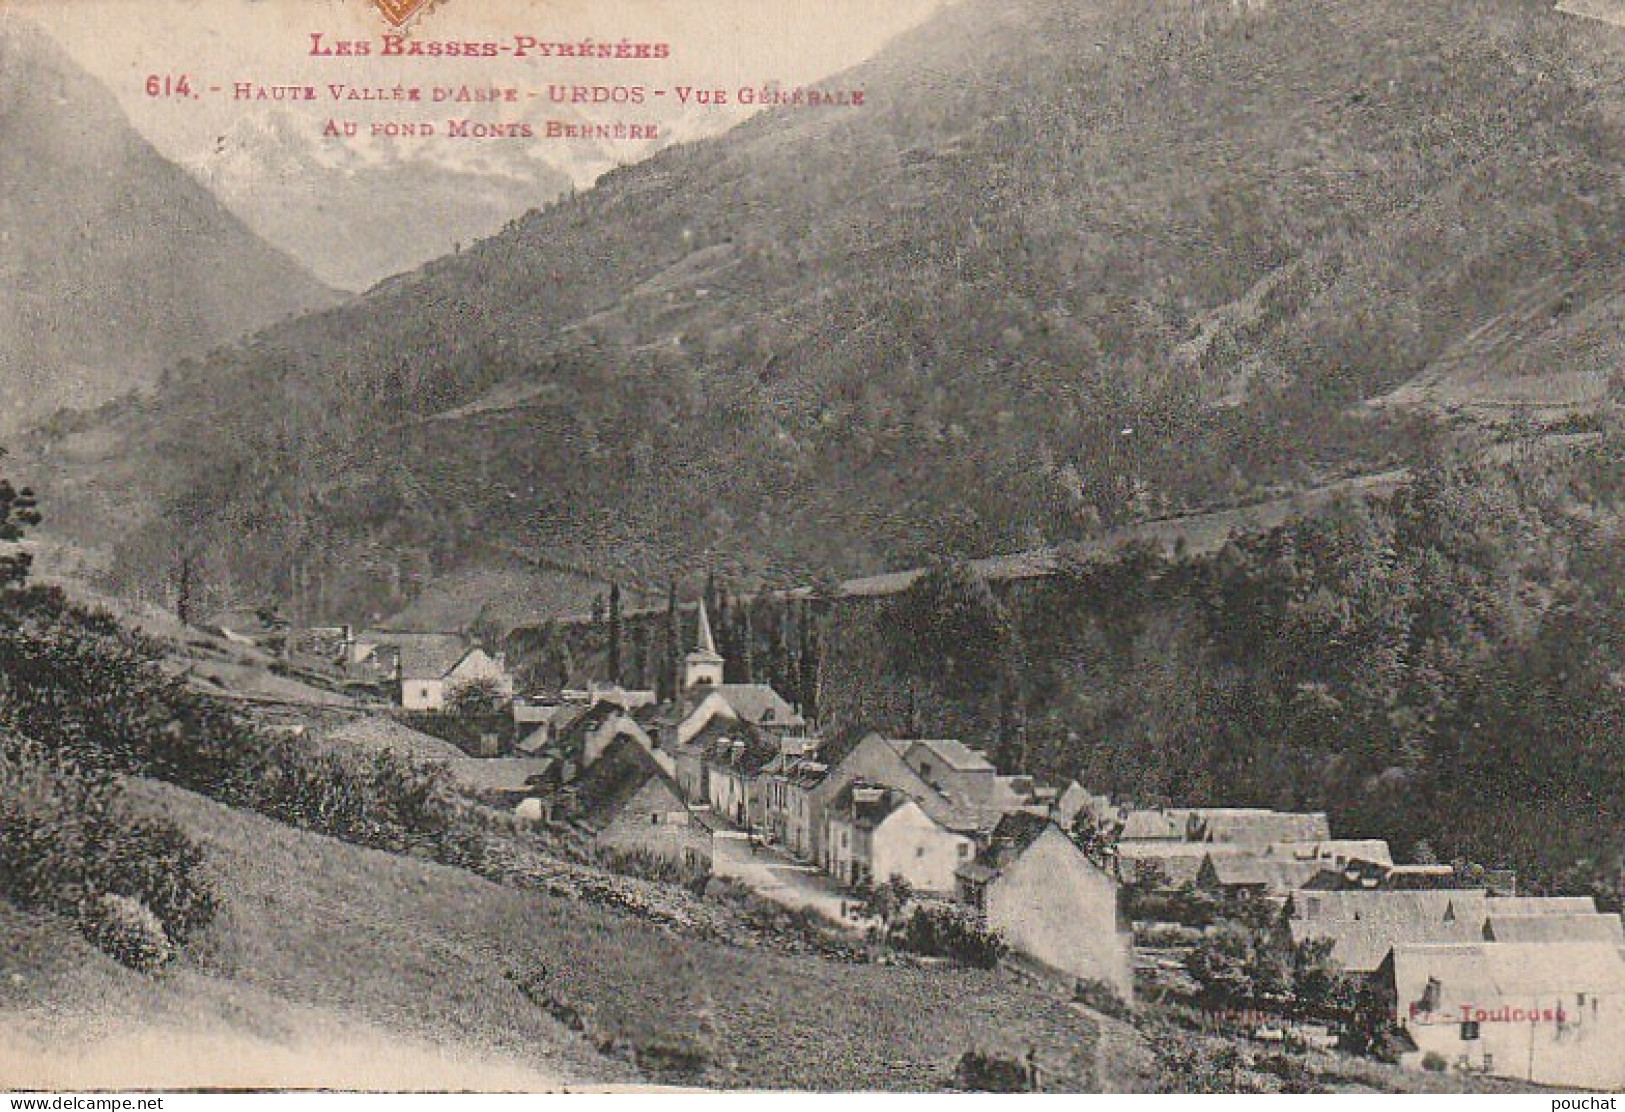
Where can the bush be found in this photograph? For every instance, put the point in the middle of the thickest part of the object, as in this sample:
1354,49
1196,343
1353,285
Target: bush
646,865
126,929
1434,1062
938,930
95,698
980,1072
69,844
1102,997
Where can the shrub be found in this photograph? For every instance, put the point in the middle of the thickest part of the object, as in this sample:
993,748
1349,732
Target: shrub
1434,1062
1294,1073
938,930
980,1072
677,1057
68,843
647,865
1102,997
155,862
126,929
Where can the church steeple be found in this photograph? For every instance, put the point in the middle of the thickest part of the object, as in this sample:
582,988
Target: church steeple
704,642
703,665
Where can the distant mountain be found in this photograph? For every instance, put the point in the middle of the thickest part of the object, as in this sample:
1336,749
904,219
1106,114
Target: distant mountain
114,263
355,214
1071,264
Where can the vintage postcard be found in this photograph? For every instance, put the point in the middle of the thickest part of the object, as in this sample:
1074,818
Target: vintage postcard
912,546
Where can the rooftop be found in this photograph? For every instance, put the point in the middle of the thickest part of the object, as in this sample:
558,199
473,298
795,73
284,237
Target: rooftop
955,754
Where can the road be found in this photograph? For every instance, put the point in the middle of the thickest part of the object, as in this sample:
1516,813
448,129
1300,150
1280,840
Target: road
775,875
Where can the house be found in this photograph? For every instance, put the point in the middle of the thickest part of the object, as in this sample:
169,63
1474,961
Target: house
1074,800
720,766
1280,868
732,761
786,784
541,727
1036,887
1364,926
1549,1013
589,734
878,760
633,806
877,833
430,667
1246,825
952,768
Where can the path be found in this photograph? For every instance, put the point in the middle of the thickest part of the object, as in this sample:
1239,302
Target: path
772,873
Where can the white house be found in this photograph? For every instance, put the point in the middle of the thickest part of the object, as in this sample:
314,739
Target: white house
430,667
1550,1013
1036,887
876,833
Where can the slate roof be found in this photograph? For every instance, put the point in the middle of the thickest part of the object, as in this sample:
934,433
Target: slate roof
804,772
574,732
619,773
1542,905
758,704
1011,838
1365,925
1508,971
1225,824
1594,927
1274,874
866,805
426,656
736,745
954,754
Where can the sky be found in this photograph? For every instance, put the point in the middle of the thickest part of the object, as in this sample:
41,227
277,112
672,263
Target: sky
724,43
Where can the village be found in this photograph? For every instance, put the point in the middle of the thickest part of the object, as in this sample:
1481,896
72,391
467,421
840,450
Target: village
1448,968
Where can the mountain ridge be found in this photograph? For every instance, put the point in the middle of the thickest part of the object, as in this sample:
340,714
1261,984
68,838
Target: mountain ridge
1069,267
117,264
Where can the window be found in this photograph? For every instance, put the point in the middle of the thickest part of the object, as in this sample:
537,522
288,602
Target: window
919,851
654,820
964,849
1469,1030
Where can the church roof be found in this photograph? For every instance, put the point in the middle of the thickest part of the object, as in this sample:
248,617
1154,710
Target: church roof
705,645
759,704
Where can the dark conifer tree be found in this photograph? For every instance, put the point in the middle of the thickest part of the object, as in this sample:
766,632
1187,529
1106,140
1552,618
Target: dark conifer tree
614,633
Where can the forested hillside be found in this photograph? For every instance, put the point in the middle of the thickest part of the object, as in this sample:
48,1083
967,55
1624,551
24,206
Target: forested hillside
1445,669
1069,265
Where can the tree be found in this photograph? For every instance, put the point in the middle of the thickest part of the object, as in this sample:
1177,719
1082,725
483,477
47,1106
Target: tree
668,687
1097,838
18,513
807,677
476,697
183,591
614,651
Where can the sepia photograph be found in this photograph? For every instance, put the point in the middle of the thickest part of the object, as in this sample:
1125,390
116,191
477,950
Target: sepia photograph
812,547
